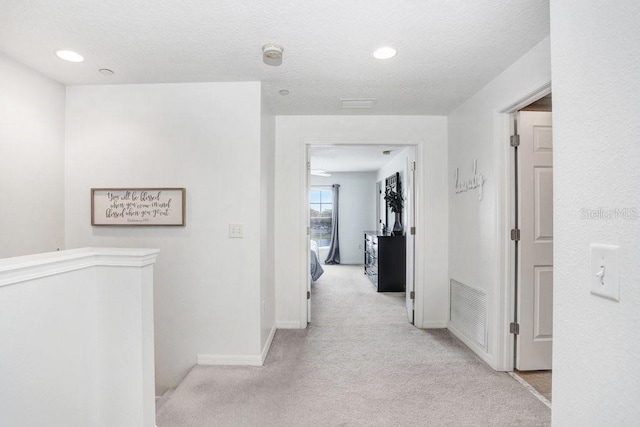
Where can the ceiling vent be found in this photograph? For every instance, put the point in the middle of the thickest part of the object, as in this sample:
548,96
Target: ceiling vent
357,103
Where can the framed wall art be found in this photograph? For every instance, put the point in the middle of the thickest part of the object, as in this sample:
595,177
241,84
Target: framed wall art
138,206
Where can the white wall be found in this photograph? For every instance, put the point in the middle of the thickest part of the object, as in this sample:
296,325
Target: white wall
202,136
357,211
595,56
429,133
32,168
267,246
77,334
476,226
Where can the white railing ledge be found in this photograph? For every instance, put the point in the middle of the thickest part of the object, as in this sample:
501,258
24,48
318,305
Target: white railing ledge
29,267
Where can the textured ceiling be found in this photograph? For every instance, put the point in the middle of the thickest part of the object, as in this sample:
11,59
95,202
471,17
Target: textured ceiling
447,50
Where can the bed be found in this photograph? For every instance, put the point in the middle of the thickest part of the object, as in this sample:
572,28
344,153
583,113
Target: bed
316,269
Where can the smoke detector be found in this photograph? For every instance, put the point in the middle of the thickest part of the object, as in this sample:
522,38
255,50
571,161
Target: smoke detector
272,54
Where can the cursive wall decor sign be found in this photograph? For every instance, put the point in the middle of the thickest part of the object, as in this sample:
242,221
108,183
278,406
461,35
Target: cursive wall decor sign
476,181
138,206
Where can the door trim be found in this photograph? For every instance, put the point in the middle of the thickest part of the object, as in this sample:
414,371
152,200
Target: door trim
505,298
420,238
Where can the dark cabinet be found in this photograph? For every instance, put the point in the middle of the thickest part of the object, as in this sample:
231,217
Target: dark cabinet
385,261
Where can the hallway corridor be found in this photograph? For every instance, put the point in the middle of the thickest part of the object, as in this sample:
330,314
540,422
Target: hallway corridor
359,363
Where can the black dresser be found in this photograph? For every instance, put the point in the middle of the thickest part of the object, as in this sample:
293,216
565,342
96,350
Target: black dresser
385,261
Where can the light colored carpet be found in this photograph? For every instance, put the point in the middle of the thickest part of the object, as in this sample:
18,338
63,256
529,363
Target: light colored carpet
359,363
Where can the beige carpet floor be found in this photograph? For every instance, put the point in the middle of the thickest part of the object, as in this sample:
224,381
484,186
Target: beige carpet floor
359,363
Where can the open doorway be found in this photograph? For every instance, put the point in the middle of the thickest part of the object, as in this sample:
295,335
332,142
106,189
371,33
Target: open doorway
532,242
359,175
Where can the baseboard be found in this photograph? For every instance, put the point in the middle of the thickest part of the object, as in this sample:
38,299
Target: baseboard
488,359
288,324
267,345
240,359
216,359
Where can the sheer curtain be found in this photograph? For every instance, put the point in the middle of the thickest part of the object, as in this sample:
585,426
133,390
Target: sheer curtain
334,249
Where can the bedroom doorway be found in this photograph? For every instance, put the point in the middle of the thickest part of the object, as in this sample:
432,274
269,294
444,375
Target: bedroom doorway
529,258
360,173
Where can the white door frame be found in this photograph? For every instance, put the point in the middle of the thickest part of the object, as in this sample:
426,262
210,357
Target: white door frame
420,237
506,219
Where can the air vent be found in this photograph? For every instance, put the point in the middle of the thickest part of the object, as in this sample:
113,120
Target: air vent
357,102
469,312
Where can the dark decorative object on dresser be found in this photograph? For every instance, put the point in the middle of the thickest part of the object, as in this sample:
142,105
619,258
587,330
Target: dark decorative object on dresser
385,261
394,201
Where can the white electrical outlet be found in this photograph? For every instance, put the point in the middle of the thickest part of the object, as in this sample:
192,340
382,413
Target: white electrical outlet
236,231
604,271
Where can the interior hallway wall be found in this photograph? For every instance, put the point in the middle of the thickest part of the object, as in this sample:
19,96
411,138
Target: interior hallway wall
476,226
267,241
32,153
595,57
357,211
205,137
429,133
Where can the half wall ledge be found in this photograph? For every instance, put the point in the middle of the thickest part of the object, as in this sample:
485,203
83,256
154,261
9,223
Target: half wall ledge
29,267
76,328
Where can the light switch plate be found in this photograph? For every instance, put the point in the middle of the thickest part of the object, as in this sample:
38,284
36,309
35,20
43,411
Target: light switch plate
605,271
236,231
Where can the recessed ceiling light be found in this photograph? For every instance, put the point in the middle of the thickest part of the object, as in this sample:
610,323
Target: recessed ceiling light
69,55
384,53
284,92
106,71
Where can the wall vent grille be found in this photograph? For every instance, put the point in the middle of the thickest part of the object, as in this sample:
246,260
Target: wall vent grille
468,312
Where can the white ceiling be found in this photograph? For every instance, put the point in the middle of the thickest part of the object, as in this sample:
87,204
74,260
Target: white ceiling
447,50
363,158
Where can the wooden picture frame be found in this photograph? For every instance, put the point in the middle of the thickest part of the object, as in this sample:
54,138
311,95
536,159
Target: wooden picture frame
138,206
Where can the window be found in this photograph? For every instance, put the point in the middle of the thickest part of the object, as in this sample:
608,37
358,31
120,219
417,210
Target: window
321,208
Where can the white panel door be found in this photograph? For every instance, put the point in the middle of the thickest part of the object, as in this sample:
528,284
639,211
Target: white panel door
410,205
535,292
307,185
380,206
309,278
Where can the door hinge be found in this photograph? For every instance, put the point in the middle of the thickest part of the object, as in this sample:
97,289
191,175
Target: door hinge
412,295
515,140
514,328
308,231
413,231
308,166
308,294
413,166
515,234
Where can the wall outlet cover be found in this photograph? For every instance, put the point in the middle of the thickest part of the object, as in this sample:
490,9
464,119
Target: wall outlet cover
236,231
